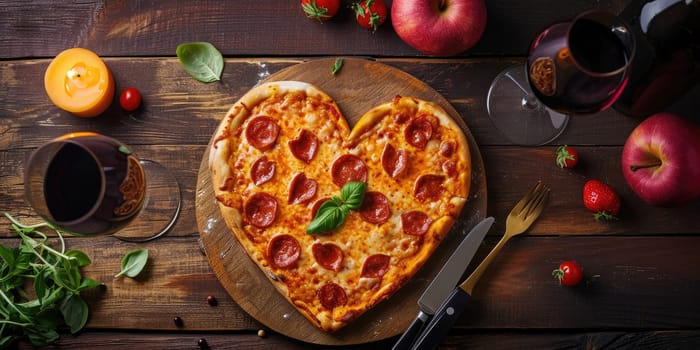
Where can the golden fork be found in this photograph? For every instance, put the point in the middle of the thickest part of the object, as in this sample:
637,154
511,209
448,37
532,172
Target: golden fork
520,218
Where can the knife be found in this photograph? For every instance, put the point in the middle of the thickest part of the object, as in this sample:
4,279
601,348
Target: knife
444,281
448,312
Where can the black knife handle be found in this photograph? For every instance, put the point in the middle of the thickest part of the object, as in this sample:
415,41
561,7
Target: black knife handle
442,321
407,338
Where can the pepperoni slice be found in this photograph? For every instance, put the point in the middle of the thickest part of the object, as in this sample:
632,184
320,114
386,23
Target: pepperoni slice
262,132
328,255
348,168
419,131
262,171
304,146
331,295
283,251
260,209
447,148
428,186
449,167
394,162
415,223
375,266
375,208
301,189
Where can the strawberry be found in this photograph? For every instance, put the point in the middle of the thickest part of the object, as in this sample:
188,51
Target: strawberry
601,199
567,157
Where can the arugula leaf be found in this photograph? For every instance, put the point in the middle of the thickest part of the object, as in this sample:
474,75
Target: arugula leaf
133,262
201,60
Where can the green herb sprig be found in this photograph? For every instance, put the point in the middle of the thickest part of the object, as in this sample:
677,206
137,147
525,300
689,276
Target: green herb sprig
57,281
332,213
201,60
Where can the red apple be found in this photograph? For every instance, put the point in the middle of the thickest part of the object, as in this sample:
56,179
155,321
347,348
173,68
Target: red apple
661,160
439,27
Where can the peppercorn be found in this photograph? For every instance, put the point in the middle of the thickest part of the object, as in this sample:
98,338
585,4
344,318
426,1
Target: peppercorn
212,300
202,343
178,321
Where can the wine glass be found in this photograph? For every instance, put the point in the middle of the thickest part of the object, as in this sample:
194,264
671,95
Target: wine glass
89,184
573,68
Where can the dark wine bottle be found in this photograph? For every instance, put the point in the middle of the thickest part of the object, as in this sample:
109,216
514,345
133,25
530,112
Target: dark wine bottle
666,64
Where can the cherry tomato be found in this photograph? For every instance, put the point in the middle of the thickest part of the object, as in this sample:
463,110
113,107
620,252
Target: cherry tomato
567,157
370,14
321,10
569,273
130,99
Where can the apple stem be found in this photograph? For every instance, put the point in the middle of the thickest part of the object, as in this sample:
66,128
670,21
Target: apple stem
642,166
442,5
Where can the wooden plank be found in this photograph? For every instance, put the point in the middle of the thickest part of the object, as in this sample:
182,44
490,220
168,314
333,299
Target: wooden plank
134,28
178,109
509,174
643,283
651,340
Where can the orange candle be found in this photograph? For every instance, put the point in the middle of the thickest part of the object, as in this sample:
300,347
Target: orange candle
78,81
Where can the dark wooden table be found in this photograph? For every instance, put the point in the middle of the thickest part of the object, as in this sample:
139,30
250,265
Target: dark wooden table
645,292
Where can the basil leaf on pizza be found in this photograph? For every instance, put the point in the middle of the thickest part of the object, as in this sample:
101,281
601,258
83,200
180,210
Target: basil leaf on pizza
330,216
352,194
342,217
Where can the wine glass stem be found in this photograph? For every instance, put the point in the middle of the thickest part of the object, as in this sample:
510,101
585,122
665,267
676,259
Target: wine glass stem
529,102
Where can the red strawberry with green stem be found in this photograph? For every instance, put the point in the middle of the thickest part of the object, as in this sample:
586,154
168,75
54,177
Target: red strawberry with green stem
601,199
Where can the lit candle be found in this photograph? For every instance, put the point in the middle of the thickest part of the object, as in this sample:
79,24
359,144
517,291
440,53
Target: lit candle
78,81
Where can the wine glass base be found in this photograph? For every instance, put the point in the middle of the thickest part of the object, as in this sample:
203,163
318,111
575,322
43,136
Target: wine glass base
517,114
160,208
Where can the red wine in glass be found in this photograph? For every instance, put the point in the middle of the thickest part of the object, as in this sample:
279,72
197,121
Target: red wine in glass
573,68
90,184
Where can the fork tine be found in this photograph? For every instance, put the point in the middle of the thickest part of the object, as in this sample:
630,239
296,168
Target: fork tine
526,199
536,206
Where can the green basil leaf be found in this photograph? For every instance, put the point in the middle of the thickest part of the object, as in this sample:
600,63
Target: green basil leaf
75,312
67,275
329,216
201,60
52,297
7,255
337,65
133,262
81,258
40,285
88,283
352,194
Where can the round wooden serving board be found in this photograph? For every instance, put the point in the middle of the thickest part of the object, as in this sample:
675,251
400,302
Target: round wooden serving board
357,87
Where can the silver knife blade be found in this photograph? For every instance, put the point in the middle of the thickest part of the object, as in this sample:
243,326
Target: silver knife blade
446,280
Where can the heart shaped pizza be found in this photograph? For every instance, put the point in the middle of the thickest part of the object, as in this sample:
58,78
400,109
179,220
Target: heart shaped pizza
337,219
